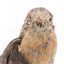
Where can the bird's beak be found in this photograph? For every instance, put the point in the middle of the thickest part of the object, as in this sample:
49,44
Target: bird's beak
41,19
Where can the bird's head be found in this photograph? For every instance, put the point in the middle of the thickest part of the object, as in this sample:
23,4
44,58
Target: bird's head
39,18
38,14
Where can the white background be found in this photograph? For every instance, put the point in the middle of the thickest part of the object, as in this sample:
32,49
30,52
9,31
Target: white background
13,13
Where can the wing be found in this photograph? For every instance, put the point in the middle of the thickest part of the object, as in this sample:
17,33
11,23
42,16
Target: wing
11,55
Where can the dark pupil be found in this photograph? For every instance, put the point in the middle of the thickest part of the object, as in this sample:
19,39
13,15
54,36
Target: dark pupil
50,19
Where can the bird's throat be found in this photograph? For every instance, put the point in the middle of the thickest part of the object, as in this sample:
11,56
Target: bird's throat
34,46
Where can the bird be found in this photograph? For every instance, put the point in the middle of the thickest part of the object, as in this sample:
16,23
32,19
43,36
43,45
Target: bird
37,42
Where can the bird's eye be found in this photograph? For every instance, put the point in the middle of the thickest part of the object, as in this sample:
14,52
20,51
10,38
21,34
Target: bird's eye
50,19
